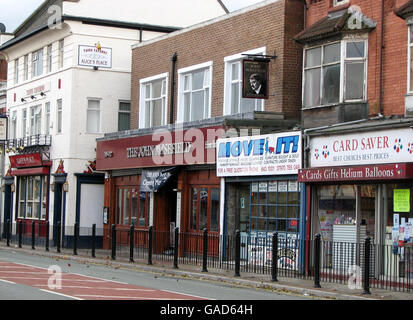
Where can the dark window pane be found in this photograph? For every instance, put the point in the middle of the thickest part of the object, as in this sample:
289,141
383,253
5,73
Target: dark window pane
214,209
331,86
204,209
355,49
354,81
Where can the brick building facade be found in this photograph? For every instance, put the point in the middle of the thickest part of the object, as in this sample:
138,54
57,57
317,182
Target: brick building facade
191,81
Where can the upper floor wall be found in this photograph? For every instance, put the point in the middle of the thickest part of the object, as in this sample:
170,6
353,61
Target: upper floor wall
361,85
196,73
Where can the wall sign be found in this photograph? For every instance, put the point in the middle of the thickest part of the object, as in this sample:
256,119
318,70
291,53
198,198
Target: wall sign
255,79
385,146
90,56
401,200
26,160
272,154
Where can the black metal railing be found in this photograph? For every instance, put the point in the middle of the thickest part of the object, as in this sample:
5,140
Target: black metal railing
36,140
361,266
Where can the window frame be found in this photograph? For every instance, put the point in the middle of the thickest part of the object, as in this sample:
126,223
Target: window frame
343,61
59,116
23,201
337,3
182,73
61,53
143,83
36,120
16,71
198,208
409,60
120,207
128,112
99,115
37,63
229,60
26,67
49,62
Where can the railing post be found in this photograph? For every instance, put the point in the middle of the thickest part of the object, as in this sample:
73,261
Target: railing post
93,240
33,234
131,234
366,279
176,248
274,269
317,256
150,240
8,232
75,237
20,233
237,253
47,235
113,242
205,251
58,226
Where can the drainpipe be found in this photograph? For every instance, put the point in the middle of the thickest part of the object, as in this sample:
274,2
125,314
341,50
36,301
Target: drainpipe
171,108
381,59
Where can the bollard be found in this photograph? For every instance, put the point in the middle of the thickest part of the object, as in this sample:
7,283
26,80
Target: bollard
131,234
8,232
93,240
47,235
150,240
58,231
274,269
20,233
33,234
237,253
317,251
366,279
205,251
75,238
113,242
176,248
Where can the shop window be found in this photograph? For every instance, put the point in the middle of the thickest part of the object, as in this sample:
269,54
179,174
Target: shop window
274,206
153,99
131,207
204,209
32,197
335,73
194,102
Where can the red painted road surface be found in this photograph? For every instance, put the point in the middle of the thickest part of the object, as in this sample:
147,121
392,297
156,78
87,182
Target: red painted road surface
82,287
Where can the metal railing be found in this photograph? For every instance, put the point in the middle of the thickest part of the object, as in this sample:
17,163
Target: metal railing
361,265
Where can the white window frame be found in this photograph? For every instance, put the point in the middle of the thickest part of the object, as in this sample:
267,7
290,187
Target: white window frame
229,60
343,61
142,99
16,71
13,125
124,111
26,67
36,120
36,62
61,53
59,116
99,118
339,2
49,53
24,122
47,118
181,78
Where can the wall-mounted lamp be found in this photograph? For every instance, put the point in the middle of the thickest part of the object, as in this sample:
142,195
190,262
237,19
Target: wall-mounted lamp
13,187
13,149
43,94
95,67
23,100
52,187
33,97
66,186
7,150
21,148
176,190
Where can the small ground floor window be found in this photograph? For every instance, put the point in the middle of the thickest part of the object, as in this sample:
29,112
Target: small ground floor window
32,197
204,208
131,206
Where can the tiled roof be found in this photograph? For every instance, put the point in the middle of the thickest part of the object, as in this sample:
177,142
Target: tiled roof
331,25
405,10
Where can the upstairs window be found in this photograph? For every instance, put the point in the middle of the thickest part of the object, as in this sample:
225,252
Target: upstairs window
37,63
36,120
194,93
335,73
153,98
339,2
93,116
49,58
16,71
61,51
26,67
233,101
124,116
410,62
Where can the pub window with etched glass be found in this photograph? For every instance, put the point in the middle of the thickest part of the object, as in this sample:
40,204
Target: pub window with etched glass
335,73
204,209
32,197
132,207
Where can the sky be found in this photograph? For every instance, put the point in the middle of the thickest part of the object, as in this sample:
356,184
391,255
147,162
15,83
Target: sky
14,12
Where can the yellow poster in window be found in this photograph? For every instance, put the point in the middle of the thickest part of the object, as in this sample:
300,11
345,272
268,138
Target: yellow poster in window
401,200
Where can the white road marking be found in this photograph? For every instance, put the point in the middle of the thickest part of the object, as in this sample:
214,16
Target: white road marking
121,297
101,288
7,281
61,294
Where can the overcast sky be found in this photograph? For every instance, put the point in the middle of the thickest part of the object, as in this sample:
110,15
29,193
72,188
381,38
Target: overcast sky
14,12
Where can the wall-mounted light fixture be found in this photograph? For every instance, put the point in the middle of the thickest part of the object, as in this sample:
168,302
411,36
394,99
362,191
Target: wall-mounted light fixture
21,148
52,187
66,186
95,67
43,94
13,187
22,100
33,97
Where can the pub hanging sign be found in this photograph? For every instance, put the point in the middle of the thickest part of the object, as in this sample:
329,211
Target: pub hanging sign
255,78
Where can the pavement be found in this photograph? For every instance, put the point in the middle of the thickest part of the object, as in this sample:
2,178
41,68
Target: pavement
294,286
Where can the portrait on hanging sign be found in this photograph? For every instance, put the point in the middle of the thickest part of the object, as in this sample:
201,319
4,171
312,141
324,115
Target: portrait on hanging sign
255,79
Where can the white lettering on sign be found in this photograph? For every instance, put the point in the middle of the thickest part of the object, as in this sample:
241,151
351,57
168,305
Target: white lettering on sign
159,150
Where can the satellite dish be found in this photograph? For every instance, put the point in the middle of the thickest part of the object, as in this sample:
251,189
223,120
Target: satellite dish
2,28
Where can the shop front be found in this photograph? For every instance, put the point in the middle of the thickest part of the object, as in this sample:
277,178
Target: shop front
164,180
263,195
360,185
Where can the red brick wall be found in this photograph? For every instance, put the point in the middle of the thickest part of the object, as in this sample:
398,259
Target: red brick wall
265,26
394,54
